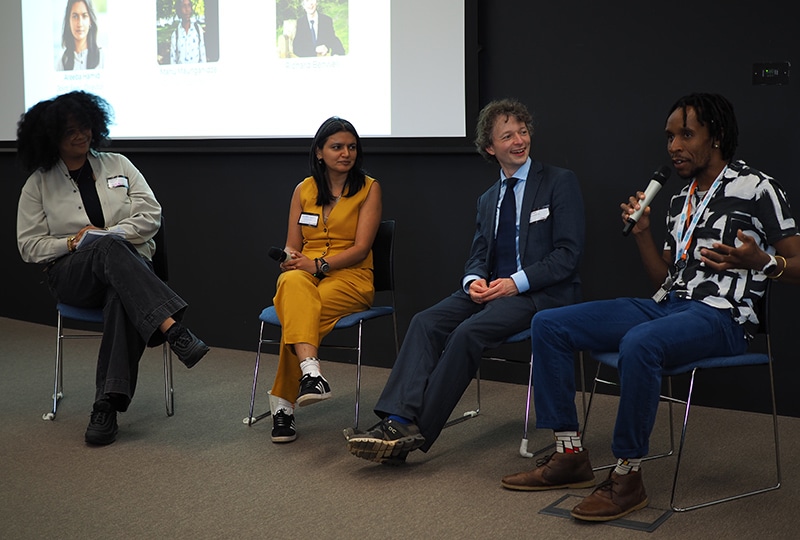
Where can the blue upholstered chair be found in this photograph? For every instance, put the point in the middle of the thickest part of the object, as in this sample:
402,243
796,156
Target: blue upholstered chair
383,261
95,316
749,359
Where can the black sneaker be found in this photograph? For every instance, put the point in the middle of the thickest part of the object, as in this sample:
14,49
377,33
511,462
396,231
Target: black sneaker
386,442
102,428
313,390
189,348
283,429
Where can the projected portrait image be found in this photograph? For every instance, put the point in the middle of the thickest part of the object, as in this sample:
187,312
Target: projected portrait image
79,47
187,31
312,28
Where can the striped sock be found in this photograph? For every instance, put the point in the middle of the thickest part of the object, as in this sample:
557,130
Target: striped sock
626,465
568,442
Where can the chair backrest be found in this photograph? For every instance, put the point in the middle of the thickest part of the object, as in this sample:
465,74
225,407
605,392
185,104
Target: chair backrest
160,266
383,256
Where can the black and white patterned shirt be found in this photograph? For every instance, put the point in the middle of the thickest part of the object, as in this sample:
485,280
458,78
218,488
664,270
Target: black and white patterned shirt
749,200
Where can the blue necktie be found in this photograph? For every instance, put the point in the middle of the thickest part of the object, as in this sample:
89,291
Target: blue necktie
313,33
506,240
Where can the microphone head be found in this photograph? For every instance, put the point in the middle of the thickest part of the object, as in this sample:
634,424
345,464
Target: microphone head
277,253
662,174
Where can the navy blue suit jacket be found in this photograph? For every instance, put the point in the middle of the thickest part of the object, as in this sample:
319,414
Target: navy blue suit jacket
550,248
303,44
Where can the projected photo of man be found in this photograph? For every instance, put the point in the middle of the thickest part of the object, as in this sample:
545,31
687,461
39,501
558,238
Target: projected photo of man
80,49
187,44
312,33
187,31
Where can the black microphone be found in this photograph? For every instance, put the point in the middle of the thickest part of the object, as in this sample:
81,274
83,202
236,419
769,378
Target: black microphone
279,254
656,183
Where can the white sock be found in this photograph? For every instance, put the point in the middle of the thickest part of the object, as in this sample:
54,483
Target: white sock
310,366
277,403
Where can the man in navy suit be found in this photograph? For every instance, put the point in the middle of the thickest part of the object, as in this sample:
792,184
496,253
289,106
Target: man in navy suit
315,35
503,286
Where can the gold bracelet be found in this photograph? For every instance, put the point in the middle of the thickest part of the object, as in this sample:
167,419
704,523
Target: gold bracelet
779,274
71,243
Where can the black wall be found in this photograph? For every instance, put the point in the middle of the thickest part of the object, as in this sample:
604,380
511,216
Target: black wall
599,79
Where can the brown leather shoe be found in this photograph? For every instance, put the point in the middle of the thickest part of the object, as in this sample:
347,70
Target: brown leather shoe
617,496
556,471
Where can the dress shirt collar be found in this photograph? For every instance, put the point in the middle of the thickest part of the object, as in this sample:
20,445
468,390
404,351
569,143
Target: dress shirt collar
521,174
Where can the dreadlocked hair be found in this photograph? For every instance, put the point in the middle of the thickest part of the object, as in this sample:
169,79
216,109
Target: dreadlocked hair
715,112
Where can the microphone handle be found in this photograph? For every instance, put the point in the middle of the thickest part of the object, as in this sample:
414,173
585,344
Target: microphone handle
629,225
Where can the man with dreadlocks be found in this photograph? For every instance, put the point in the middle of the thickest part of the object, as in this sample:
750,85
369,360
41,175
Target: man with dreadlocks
729,230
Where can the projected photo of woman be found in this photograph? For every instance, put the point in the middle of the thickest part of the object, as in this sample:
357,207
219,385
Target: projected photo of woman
79,38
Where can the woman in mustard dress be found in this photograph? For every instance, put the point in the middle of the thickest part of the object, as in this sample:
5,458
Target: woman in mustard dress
333,219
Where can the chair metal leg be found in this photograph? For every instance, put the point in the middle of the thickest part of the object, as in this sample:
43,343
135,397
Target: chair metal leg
250,419
773,487
523,446
473,413
169,391
58,383
668,398
358,377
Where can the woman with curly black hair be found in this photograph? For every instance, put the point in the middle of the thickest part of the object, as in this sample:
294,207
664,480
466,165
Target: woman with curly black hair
74,188
79,38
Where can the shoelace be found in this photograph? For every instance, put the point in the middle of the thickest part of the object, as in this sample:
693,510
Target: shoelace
312,383
543,461
606,485
183,340
282,420
99,417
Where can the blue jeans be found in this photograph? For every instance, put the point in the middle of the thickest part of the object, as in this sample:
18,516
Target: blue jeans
648,336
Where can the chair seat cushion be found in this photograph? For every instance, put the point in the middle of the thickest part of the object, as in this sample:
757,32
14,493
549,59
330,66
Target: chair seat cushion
94,315
270,316
519,336
747,359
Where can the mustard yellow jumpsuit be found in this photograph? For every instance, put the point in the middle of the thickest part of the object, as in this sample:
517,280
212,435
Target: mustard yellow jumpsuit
308,307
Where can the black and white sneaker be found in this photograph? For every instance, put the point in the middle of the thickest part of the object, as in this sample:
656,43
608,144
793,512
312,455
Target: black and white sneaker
313,390
283,428
387,442
102,427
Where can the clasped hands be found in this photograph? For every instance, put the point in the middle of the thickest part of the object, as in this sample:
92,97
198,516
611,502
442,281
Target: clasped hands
298,261
481,293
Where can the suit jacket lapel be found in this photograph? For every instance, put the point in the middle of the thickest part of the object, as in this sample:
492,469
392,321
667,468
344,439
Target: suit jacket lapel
532,184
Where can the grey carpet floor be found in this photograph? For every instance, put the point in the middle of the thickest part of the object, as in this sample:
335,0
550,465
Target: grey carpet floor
204,474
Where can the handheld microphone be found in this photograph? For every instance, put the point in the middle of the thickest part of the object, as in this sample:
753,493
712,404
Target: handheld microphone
279,254
656,183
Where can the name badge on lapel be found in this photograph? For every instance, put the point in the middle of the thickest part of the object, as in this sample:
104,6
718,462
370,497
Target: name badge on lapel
117,181
540,214
308,219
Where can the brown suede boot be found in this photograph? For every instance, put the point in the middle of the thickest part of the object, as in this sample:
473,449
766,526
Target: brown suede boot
618,496
557,471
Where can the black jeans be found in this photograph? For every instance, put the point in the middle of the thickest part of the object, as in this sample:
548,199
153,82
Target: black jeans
110,274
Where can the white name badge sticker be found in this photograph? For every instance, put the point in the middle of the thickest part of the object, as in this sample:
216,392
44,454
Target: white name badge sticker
311,220
117,181
539,215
